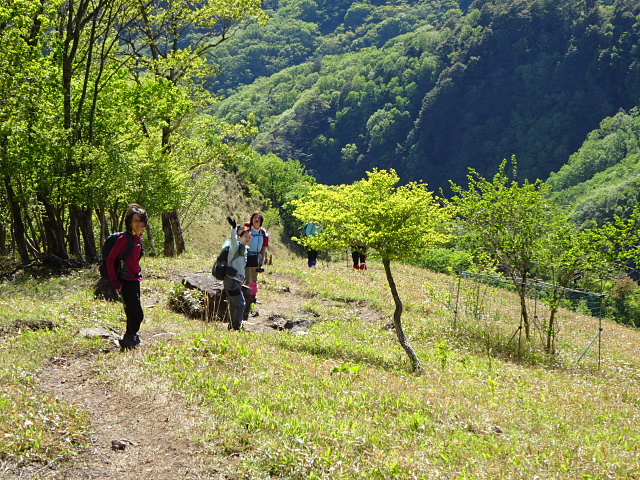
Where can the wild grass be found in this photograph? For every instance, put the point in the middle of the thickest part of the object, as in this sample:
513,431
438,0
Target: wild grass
340,402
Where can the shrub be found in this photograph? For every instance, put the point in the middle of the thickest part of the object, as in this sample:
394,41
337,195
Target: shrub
189,302
444,260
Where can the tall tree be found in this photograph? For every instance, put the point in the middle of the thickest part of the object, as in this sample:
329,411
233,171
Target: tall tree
169,46
393,222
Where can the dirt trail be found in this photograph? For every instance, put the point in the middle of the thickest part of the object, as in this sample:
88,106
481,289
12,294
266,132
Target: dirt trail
149,431
140,435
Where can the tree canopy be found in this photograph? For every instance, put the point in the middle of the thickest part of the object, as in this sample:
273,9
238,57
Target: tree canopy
102,106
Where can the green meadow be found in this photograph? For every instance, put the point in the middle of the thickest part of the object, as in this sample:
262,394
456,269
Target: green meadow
338,401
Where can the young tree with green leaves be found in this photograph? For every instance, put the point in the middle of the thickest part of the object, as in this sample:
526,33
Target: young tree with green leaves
529,237
566,255
507,221
393,222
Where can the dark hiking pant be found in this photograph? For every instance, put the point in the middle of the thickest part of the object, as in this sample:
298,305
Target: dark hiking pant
133,310
235,300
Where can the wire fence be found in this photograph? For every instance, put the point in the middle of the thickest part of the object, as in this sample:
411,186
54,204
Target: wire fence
488,307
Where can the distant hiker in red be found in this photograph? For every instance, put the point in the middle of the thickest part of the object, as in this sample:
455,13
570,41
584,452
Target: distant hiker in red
125,274
359,256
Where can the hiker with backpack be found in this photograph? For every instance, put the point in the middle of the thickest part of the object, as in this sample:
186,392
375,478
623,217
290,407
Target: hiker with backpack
235,272
359,256
311,229
256,255
123,269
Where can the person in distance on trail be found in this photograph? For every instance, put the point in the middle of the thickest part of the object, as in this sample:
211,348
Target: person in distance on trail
359,256
125,275
255,258
310,230
234,279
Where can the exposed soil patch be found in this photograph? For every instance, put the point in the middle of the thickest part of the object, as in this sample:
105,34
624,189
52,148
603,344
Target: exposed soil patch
26,324
134,435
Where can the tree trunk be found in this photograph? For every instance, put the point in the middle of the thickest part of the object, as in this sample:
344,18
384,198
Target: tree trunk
397,321
558,295
104,225
84,223
169,245
3,240
522,292
53,229
74,237
34,225
525,313
18,227
151,239
550,347
176,227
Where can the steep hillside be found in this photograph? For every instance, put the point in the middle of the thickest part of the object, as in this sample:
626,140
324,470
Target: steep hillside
602,178
335,402
529,78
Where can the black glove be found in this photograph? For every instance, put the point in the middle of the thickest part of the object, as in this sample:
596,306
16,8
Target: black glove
232,222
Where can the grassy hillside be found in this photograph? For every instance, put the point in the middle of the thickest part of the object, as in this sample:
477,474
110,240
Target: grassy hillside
338,401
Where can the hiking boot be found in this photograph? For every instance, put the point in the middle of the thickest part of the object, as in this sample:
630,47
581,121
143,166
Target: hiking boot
127,342
125,346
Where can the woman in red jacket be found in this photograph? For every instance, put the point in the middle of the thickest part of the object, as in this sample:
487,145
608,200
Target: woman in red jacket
125,273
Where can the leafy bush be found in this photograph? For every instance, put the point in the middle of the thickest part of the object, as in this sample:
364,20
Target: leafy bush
624,302
187,301
444,260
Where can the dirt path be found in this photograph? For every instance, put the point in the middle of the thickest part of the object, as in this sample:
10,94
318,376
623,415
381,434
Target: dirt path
133,435
142,435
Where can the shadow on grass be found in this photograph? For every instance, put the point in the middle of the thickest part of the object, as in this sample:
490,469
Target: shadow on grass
342,353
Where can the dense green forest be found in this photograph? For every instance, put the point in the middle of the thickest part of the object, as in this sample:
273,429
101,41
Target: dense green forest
103,104
301,31
465,86
106,104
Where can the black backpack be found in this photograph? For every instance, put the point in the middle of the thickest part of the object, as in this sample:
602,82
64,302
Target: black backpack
219,270
107,246
220,266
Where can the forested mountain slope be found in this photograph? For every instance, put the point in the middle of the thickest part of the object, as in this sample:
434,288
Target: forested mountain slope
602,178
302,30
528,78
